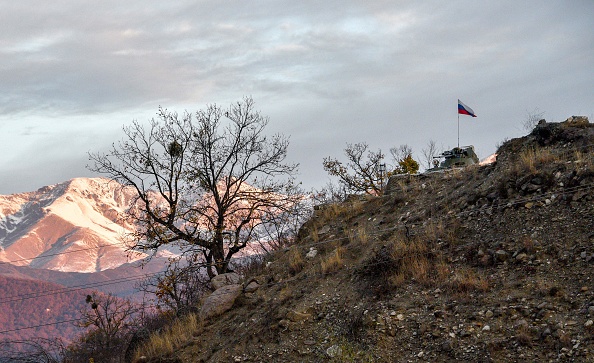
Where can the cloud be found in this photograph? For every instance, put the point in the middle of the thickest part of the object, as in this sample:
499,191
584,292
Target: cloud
328,73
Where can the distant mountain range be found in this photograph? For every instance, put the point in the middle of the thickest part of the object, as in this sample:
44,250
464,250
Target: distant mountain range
58,244
70,227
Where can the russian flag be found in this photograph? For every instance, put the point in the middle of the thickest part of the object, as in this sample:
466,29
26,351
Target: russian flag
465,110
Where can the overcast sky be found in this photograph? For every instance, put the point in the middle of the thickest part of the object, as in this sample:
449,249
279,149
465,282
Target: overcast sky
327,73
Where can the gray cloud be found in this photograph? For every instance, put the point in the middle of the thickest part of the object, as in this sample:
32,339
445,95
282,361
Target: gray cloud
327,73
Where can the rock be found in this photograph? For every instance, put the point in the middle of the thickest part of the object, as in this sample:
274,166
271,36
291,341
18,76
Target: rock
251,287
486,328
589,323
447,346
230,278
529,205
400,317
296,316
521,324
334,351
284,324
312,253
521,257
591,310
546,332
220,301
489,314
324,230
501,255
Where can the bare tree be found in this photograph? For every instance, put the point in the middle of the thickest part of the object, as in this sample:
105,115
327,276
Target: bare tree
179,287
361,173
428,154
400,152
110,321
532,119
108,316
331,193
203,183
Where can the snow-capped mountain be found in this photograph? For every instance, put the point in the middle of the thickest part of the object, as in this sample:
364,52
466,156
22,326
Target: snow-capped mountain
71,226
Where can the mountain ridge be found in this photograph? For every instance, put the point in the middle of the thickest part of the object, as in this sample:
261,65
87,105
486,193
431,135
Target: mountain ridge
71,226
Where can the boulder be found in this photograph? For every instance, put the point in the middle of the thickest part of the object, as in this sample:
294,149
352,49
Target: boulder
251,287
220,301
230,278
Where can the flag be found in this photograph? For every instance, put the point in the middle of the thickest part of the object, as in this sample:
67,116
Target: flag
465,110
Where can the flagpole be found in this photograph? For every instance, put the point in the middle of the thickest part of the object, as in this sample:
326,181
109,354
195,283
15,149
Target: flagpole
458,130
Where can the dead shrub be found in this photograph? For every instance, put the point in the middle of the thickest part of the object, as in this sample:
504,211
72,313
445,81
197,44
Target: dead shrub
392,265
524,335
296,261
377,270
467,280
332,263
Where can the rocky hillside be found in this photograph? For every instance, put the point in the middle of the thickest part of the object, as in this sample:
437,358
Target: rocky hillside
485,264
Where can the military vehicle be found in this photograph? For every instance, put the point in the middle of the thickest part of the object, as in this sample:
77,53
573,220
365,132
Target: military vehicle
458,157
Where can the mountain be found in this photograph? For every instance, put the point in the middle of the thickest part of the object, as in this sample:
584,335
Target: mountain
57,244
70,227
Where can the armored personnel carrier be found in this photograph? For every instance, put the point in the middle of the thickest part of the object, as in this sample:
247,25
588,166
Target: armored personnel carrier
458,157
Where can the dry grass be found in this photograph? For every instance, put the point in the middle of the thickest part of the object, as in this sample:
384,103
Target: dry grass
331,211
333,262
448,230
314,234
585,160
413,261
358,236
435,230
530,159
171,339
467,280
296,261
442,271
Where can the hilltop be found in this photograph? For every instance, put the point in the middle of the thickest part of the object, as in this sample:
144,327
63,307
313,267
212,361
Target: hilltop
487,263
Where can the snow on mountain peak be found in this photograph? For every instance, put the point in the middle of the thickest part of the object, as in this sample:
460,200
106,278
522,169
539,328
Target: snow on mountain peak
70,226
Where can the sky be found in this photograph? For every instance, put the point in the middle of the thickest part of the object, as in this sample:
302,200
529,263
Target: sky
326,73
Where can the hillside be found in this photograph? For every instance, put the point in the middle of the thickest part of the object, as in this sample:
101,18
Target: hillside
485,264
31,303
